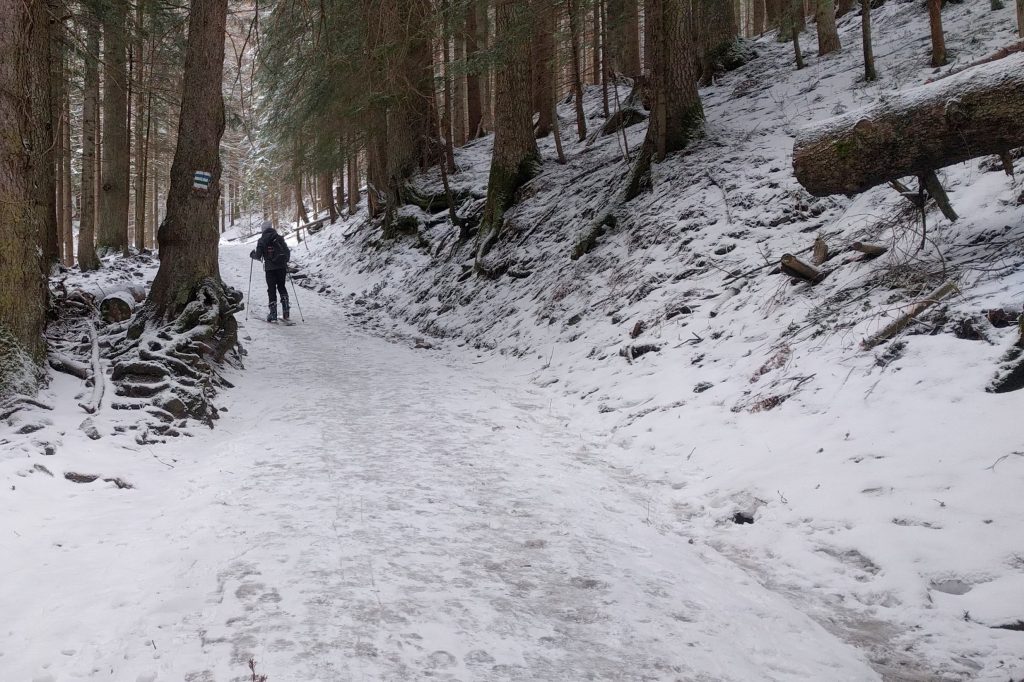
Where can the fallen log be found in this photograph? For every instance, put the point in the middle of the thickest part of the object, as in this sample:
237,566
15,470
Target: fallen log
870,250
977,112
794,267
904,320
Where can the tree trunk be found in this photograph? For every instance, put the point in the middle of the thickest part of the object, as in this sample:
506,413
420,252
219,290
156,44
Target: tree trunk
327,195
595,42
794,7
623,45
57,95
757,17
542,75
865,28
474,105
353,183
45,103
113,218
487,87
301,217
515,159
138,65
459,84
23,36
717,22
977,112
676,109
409,132
188,236
87,259
773,14
1020,18
938,38
828,36
445,119
67,227
577,76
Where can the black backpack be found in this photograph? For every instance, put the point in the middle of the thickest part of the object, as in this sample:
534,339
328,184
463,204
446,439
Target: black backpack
273,252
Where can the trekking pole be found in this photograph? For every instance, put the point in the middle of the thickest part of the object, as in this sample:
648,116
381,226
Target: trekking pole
295,294
249,294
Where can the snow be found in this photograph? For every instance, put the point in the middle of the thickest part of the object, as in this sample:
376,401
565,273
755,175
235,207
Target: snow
339,524
438,477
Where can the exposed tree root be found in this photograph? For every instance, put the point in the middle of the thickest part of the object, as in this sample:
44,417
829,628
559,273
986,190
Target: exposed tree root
175,366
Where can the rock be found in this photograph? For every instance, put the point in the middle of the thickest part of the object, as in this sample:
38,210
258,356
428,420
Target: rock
90,429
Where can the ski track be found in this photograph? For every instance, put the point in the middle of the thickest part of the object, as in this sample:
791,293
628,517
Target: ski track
366,511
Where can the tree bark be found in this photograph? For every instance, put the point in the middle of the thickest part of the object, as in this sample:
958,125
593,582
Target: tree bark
45,104
844,7
327,195
23,35
676,108
624,37
353,183
459,82
188,236
54,243
67,228
938,38
577,76
1020,18
828,36
865,28
87,259
515,159
757,17
474,105
542,69
717,22
113,217
138,66
977,112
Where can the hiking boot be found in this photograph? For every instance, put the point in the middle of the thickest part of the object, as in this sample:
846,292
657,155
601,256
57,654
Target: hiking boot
272,317
286,309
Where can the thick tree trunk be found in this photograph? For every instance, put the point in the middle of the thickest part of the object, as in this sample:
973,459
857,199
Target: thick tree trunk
624,37
113,215
487,77
23,34
865,29
188,236
717,22
676,110
773,14
844,7
1020,18
977,112
515,159
938,37
301,217
828,36
474,105
87,259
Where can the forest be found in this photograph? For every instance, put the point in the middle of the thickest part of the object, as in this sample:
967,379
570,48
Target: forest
713,238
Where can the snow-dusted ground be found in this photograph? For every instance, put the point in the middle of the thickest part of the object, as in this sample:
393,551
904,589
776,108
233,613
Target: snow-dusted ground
368,511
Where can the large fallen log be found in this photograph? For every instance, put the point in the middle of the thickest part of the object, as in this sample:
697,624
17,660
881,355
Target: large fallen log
974,113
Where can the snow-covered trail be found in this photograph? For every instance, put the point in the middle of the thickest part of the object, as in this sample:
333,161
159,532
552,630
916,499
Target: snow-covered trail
367,511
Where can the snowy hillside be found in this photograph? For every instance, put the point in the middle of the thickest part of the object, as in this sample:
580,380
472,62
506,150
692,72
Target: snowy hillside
878,491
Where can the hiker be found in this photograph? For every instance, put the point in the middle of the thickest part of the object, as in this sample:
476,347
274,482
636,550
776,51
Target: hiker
274,252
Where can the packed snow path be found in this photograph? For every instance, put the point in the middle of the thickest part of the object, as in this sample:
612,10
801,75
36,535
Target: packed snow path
367,511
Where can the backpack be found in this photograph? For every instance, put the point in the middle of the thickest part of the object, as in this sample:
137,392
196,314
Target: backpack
274,252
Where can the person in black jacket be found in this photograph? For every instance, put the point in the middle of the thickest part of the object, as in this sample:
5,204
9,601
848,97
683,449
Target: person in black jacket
274,252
